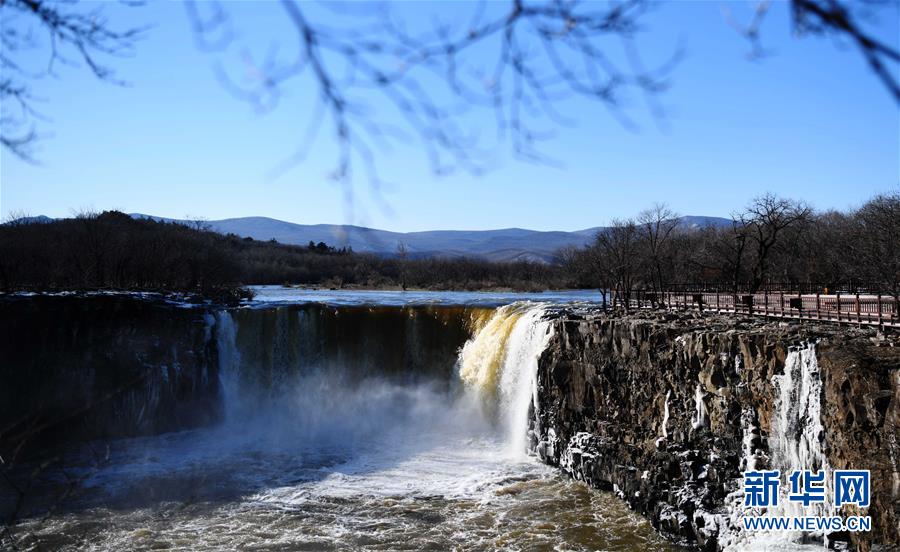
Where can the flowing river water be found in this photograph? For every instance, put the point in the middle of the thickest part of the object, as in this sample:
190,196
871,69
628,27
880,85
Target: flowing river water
322,448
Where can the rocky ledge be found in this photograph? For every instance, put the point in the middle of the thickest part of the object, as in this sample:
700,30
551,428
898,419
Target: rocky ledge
668,410
81,367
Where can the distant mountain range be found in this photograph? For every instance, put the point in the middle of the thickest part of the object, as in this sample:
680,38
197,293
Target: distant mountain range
508,244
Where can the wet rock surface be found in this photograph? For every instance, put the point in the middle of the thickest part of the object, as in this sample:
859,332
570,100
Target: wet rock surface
94,366
83,368
664,408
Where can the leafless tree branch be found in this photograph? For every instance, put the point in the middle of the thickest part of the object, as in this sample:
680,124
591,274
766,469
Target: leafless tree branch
833,18
518,63
73,36
830,17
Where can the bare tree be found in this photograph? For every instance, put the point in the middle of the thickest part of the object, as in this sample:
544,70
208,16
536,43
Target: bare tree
736,241
831,237
402,254
767,217
197,222
877,241
617,256
17,217
773,240
656,226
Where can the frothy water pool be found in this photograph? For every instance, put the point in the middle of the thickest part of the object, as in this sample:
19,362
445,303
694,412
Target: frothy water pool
335,460
430,475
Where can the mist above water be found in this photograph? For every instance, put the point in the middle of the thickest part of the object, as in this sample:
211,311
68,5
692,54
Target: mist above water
374,422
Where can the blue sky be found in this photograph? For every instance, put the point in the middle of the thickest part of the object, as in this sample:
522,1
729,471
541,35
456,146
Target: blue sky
808,121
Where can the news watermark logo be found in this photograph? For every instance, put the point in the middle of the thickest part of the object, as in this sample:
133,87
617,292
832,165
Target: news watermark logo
762,489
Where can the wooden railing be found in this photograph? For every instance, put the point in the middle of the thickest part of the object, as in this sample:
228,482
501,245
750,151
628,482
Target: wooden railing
857,308
790,288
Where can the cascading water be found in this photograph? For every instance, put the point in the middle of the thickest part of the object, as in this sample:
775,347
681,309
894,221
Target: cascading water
229,361
795,443
500,364
797,433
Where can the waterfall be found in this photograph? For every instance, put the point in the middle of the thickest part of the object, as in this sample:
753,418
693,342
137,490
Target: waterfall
499,364
481,359
795,443
701,415
797,433
268,370
229,362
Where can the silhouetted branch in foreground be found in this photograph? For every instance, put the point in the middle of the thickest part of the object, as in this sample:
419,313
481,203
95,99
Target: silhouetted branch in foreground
71,36
460,90
837,18
514,63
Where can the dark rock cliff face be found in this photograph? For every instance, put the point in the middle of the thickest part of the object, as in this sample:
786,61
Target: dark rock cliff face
666,410
404,342
79,368
76,368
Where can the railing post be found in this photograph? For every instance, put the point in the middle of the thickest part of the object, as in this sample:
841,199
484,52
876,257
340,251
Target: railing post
858,316
717,298
766,300
838,301
781,305
880,320
818,307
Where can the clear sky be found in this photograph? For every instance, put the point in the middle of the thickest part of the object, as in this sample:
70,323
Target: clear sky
808,121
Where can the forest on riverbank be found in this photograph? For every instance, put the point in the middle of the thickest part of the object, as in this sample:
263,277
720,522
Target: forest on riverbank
773,242
112,250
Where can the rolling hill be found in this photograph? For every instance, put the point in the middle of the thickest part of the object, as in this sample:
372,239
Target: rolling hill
508,244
